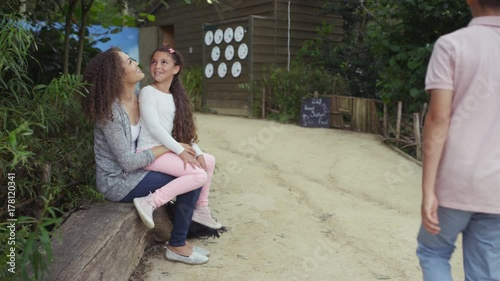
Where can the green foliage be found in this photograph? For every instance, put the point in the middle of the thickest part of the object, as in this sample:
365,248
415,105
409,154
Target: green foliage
45,55
192,79
288,88
401,36
47,144
386,46
350,59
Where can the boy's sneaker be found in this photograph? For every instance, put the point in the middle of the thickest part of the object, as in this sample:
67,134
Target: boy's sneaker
203,216
145,207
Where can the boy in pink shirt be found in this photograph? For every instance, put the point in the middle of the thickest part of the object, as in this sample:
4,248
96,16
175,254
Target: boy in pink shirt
461,167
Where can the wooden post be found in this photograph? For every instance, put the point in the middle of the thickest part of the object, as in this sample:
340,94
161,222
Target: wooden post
416,132
263,103
46,172
386,121
316,94
398,120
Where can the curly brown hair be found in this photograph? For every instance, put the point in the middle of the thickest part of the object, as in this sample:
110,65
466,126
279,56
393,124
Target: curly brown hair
103,76
184,123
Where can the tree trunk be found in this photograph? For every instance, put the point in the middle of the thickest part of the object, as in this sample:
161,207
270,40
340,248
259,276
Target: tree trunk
81,34
22,7
67,33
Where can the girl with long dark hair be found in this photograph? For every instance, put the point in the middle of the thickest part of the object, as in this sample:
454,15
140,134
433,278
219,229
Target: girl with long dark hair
167,119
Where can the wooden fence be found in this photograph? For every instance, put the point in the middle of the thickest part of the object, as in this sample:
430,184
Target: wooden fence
356,114
404,131
407,132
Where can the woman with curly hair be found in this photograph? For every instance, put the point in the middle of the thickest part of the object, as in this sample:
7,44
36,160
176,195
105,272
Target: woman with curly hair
112,105
167,119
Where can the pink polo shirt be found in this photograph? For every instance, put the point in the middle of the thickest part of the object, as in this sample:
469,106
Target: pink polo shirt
467,62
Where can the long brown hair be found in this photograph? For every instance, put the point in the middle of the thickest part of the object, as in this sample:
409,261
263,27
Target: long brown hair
184,124
103,76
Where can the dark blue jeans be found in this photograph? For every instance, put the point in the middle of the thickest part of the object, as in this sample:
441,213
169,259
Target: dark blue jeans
183,208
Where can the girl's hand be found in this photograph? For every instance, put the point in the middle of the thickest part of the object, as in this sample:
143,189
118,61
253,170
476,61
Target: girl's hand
188,148
188,158
201,160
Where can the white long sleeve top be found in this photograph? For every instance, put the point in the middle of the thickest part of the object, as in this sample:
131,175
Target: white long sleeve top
157,121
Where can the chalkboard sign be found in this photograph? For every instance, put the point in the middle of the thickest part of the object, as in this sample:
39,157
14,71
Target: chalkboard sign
315,112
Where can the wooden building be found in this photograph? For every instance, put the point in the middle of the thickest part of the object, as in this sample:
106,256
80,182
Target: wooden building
235,41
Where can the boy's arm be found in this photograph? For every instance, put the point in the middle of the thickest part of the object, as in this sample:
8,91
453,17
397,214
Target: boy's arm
436,126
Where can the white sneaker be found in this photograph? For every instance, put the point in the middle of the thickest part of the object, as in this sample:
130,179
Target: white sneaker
194,258
203,216
145,207
198,249
201,250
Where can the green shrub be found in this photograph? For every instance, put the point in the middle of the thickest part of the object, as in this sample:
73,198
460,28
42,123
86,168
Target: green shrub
386,45
192,79
288,88
47,144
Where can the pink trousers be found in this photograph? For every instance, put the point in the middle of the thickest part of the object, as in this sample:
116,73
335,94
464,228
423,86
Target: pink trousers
187,180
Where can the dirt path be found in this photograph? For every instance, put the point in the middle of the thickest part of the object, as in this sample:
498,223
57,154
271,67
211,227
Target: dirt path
305,204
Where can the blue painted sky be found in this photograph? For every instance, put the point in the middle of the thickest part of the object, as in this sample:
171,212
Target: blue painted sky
127,40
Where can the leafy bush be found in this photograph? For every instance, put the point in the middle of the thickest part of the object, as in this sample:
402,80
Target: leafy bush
288,88
47,145
386,46
192,79
401,35
350,60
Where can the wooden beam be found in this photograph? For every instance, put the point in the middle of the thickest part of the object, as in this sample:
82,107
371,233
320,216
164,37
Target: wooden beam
386,121
398,120
104,242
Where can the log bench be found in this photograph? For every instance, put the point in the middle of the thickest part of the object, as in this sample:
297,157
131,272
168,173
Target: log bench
103,242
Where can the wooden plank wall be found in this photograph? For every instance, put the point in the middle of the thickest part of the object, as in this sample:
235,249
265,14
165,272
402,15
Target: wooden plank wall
188,19
268,21
306,18
148,40
263,46
224,95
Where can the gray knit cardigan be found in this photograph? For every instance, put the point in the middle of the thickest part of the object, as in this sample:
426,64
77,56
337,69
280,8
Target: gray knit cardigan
118,168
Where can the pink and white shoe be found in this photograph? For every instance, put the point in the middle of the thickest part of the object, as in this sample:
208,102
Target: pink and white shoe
145,207
202,215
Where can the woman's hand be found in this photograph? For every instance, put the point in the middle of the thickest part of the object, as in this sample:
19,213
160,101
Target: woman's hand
201,160
188,158
188,148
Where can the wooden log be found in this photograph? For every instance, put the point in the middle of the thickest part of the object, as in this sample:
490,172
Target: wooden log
104,242
416,132
386,121
398,120
263,103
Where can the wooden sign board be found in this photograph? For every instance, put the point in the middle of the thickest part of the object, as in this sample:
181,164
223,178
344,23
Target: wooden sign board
315,112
